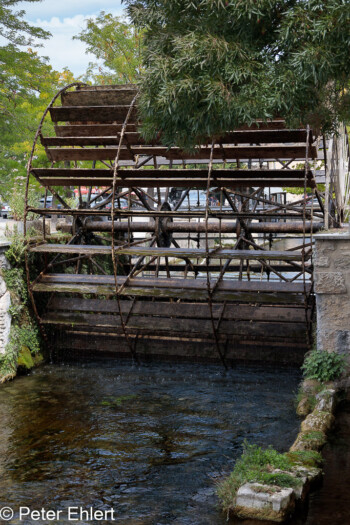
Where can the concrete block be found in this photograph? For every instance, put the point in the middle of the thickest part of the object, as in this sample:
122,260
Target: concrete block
254,500
330,283
324,247
322,261
342,261
342,340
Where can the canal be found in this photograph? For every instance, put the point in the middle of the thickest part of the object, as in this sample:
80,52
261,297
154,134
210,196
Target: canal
149,441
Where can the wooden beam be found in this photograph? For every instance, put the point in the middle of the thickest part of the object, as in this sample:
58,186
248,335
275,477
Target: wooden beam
233,312
230,153
134,138
189,289
191,253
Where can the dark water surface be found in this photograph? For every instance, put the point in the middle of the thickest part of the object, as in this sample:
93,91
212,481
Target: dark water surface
148,441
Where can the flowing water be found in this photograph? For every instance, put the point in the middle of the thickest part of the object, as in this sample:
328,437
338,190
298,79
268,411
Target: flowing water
149,441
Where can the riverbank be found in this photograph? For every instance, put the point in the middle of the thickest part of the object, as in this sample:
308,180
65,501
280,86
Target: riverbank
330,504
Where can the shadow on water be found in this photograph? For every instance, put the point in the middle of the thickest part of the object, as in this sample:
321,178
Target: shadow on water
151,442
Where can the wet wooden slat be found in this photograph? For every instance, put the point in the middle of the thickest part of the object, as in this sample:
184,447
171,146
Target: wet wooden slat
181,310
275,351
190,289
199,326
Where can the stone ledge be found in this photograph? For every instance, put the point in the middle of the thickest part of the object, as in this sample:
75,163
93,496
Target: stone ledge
333,235
277,504
264,502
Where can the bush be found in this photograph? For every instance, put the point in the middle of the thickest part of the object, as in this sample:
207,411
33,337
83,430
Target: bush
323,366
17,201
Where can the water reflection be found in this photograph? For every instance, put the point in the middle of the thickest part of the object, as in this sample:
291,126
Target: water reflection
148,441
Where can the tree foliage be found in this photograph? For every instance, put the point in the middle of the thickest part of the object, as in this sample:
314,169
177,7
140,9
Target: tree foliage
21,69
117,44
212,65
27,84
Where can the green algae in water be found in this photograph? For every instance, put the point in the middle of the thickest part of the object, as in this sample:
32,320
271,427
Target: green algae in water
118,401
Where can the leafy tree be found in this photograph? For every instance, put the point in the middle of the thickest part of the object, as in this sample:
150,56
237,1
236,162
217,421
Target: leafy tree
212,65
27,84
21,70
117,44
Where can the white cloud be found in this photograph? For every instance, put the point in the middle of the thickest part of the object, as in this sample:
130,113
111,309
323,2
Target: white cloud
61,49
67,8
64,20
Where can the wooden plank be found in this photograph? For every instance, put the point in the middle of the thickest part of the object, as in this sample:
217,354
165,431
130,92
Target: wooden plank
170,173
191,253
190,289
181,310
80,141
102,97
108,332
134,138
271,152
183,326
170,293
91,130
189,214
105,87
114,345
176,183
197,284
92,114
105,130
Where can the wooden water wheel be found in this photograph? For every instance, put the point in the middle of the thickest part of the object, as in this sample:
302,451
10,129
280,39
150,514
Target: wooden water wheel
171,253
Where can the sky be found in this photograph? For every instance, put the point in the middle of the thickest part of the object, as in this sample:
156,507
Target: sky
64,19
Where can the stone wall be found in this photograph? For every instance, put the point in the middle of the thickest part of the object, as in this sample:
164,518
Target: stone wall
5,302
332,287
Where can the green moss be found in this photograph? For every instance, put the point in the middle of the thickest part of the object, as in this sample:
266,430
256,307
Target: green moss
25,359
265,514
24,342
307,458
8,364
256,465
314,439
